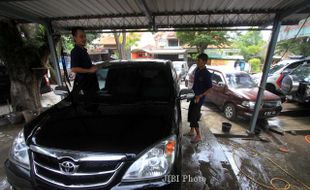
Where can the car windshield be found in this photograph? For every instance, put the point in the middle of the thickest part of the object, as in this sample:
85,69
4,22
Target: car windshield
177,66
302,72
131,83
240,80
276,67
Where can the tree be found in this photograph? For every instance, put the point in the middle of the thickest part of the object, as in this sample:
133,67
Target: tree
298,46
250,44
24,50
124,42
202,39
68,43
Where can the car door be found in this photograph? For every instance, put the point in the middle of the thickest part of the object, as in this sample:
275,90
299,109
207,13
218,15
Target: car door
218,83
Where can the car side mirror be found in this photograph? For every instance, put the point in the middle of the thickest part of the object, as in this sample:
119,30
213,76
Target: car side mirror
186,94
61,91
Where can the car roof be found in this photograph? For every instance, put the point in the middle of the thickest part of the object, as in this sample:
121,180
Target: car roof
225,70
141,61
134,62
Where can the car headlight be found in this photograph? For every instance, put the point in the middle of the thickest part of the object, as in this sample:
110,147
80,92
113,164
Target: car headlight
155,163
248,104
19,151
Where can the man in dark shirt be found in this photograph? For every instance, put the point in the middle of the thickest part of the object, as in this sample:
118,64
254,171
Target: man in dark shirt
81,64
201,87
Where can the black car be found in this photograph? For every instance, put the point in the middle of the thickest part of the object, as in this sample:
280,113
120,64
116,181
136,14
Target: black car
4,84
125,136
296,84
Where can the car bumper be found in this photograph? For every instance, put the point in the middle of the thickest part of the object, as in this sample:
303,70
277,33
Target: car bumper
18,177
21,179
263,113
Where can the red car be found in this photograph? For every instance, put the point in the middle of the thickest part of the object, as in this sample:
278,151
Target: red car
235,93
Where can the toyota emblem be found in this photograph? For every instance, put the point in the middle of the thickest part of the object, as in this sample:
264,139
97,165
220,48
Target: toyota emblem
68,167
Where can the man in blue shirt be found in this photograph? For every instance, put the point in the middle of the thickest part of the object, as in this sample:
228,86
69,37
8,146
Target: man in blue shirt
201,87
81,64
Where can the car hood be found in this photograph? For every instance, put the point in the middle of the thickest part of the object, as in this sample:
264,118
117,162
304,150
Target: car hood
251,94
100,128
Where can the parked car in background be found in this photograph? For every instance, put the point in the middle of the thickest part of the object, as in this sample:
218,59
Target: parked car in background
189,78
276,74
4,84
235,93
296,84
125,136
181,68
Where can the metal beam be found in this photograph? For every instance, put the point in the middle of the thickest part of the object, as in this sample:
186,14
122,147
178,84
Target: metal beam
169,30
300,7
148,13
53,53
268,61
11,12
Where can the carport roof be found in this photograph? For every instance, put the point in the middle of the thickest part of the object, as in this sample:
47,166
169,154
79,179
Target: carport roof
154,14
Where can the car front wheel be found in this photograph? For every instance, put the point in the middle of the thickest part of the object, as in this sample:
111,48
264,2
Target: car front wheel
230,111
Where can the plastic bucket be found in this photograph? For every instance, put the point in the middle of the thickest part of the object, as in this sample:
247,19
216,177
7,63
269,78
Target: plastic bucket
226,127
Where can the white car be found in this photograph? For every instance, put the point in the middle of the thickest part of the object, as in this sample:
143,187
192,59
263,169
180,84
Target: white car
189,79
276,74
181,68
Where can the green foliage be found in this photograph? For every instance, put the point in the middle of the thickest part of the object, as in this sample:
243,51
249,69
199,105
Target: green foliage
202,39
250,44
68,43
255,65
298,46
21,51
132,39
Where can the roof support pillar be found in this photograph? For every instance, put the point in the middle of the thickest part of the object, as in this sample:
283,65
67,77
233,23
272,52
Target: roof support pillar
267,64
53,53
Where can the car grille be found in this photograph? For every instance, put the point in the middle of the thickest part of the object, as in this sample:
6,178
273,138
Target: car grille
271,104
87,171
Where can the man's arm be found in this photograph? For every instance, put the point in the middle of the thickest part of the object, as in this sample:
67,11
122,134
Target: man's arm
93,69
197,98
208,87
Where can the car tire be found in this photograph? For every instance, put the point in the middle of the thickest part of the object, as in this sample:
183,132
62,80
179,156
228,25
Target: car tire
230,111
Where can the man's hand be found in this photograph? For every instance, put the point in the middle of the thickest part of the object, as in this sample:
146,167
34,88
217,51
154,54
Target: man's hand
93,69
197,98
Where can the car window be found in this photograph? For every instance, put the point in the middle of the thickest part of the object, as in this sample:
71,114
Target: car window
302,73
101,76
240,80
293,66
276,67
216,78
135,83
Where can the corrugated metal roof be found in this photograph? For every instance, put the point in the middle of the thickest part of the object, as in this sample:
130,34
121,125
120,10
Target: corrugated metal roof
147,14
